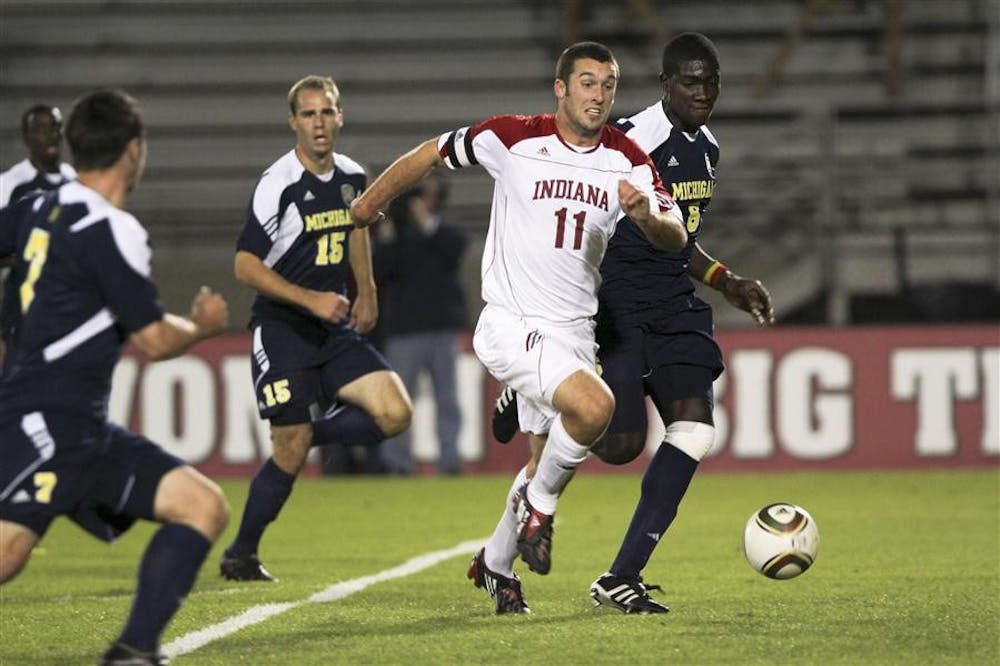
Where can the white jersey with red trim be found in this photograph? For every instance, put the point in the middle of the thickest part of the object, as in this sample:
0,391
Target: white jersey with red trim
554,208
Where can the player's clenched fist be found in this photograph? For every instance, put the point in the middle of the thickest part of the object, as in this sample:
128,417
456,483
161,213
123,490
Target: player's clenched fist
664,229
210,312
363,216
329,306
634,201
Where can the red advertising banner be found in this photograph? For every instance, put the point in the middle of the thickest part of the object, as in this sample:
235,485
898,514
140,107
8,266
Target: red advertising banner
791,398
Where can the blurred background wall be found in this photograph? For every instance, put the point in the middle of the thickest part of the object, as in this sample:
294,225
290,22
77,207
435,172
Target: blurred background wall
860,170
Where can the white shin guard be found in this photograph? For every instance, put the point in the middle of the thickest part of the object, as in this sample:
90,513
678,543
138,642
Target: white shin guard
693,438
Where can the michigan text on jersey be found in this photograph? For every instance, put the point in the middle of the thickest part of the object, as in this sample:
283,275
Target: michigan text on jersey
328,219
693,189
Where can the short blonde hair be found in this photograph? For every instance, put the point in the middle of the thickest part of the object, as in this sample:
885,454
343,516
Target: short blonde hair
311,82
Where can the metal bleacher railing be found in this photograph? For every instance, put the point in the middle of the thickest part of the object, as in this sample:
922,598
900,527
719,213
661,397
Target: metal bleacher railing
827,165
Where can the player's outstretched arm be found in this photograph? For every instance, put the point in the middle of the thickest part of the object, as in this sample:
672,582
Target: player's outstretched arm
326,305
664,229
404,173
746,294
364,312
173,335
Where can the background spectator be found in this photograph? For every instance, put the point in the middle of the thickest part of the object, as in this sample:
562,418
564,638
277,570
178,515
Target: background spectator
417,261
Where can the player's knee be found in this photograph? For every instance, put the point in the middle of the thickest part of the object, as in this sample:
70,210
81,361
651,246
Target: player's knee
395,417
291,446
15,549
217,512
208,511
189,498
10,567
590,404
619,448
597,412
693,438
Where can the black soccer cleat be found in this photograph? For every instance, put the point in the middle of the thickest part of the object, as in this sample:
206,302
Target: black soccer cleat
244,567
504,422
534,538
629,595
505,592
119,654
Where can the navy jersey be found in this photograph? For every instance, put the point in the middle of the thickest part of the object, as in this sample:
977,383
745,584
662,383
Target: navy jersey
23,179
82,274
18,182
641,282
10,308
299,225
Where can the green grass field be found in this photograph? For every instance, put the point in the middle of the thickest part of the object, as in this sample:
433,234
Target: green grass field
908,573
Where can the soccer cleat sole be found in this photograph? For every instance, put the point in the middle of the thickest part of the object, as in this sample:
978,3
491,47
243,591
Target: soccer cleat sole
504,422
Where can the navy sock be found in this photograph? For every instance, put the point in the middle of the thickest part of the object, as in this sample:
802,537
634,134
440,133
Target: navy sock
348,426
663,487
268,492
166,574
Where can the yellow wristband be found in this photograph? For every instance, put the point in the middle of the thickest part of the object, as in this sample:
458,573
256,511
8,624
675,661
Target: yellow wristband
715,271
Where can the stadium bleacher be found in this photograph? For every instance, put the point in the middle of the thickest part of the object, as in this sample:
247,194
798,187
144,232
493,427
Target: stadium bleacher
819,174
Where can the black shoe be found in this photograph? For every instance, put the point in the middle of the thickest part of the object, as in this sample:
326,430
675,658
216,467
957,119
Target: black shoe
120,654
504,421
244,567
629,595
505,592
534,538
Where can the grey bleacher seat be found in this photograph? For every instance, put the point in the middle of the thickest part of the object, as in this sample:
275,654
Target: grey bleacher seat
212,77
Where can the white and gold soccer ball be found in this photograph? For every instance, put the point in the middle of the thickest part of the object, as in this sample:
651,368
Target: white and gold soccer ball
781,540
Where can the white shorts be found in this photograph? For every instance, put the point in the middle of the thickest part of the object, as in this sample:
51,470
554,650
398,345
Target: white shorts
533,356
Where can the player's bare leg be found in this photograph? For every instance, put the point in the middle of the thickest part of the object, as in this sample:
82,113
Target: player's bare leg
16,543
383,397
585,405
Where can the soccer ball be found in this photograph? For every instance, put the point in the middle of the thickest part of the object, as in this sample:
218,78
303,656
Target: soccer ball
781,540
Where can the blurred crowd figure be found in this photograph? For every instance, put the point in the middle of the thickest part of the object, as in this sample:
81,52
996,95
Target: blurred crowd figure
417,259
638,18
812,10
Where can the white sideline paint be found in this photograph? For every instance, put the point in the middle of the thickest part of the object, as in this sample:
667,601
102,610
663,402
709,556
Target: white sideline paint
197,639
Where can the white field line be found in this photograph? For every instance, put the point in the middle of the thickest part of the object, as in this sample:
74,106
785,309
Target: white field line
197,639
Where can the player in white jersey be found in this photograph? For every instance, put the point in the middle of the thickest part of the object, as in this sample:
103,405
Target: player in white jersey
562,182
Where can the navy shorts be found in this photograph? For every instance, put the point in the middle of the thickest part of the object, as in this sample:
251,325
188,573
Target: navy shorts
99,475
671,362
294,375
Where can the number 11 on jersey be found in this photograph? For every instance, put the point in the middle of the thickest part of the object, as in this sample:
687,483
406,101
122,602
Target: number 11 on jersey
561,228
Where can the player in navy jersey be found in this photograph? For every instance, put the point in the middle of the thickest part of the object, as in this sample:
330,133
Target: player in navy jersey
43,169
655,333
82,271
562,183
316,379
